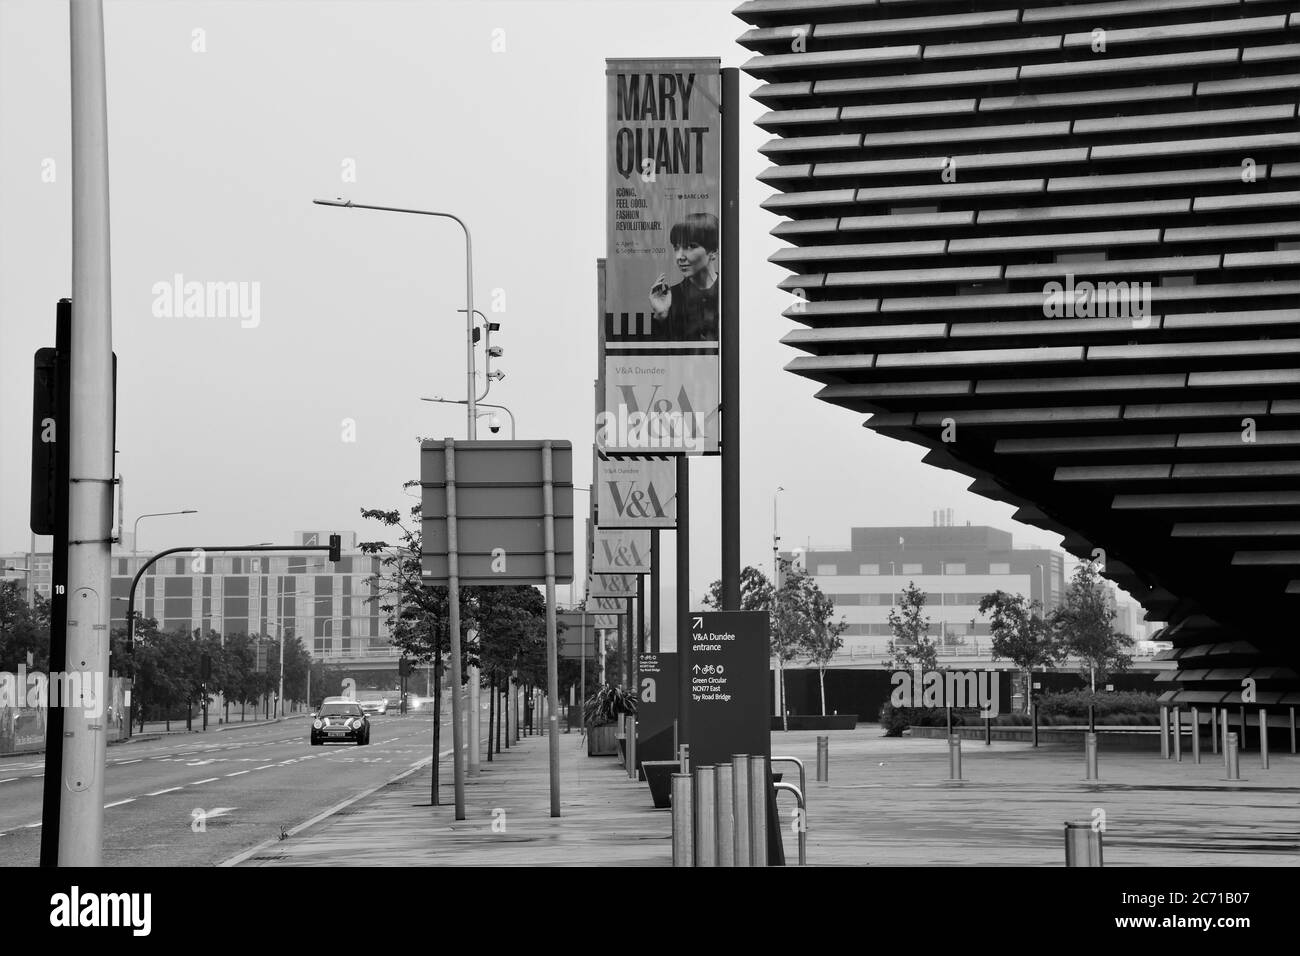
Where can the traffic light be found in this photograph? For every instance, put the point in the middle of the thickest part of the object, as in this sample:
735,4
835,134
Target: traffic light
205,668
336,545
404,667
478,333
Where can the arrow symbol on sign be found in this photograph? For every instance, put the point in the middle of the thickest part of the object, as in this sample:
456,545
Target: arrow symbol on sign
696,668
697,622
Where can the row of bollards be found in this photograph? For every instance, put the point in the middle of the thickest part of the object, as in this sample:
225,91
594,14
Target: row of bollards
1171,725
720,813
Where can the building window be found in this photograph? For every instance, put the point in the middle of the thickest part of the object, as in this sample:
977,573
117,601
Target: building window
1002,568
868,569
953,567
826,570
912,569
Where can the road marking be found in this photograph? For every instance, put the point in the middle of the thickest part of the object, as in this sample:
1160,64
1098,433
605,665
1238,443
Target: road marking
236,773
119,803
159,793
10,779
134,760
31,826
197,782
266,767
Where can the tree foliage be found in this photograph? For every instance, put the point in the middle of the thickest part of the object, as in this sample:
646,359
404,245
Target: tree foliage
911,644
1083,625
24,629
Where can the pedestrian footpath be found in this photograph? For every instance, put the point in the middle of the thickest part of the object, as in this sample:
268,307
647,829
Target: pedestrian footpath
886,802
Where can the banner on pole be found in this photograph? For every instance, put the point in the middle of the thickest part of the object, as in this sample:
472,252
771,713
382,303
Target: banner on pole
659,339
621,551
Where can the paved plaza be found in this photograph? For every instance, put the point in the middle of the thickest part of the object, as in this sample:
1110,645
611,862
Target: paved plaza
888,803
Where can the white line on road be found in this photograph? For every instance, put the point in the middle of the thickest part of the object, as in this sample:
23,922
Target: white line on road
10,779
236,773
197,782
119,803
159,793
265,767
133,760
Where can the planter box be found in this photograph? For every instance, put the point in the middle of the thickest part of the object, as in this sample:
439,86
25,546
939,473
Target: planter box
659,775
602,740
817,722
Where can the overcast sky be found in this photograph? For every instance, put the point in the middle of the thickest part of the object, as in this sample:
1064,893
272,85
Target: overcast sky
214,159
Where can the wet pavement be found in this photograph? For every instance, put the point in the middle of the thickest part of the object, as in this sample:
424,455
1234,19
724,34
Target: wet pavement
888,802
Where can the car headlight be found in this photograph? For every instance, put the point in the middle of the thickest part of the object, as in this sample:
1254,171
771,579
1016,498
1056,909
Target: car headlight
317,724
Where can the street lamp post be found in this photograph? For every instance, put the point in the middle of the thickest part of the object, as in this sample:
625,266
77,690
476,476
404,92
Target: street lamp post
471,412
469,293
135,535
776,575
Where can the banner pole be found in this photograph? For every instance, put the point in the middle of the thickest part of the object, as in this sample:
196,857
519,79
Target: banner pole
729,308
654,591
683,600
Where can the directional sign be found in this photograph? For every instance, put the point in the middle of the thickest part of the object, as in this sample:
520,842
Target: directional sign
656,706
612,585
499,509
729,686
621,551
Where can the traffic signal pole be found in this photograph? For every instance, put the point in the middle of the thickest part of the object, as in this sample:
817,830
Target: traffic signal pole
334,555
89,433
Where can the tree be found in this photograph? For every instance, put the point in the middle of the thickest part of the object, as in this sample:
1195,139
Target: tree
24,629
1082,624
1020,634
418,616
911,644
755,591
823,640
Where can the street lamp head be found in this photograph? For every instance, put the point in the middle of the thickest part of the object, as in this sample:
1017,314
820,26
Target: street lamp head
332,202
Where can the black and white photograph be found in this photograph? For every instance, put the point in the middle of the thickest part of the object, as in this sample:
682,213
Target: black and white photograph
846,434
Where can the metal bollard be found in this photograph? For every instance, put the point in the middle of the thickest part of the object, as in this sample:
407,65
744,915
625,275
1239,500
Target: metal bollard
1178,734
1292,712
1090,756
706,817
1241,740
1225,739
1164,732
988,731
683,826
759,781
1234,769
823,759
631,747
954,757
1214,730
684,757
1263,738
1034,717
948,711
1196,735
1082,845
723,830
740,808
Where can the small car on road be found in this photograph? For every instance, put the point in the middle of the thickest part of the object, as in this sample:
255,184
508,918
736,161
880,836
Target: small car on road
340,721
373,702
